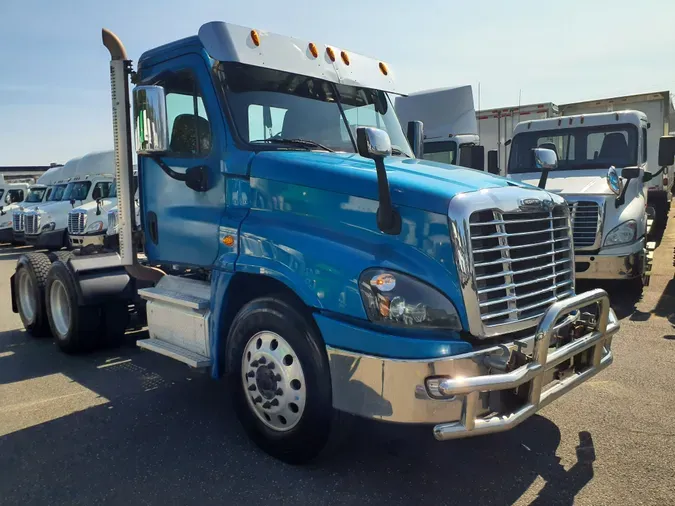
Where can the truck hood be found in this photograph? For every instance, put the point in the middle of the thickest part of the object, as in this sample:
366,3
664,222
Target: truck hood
414,183
570,182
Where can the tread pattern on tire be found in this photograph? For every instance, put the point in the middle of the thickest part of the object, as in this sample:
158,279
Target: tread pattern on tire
39,264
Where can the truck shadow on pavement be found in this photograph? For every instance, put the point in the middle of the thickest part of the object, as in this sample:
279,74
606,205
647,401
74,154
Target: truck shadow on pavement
162,433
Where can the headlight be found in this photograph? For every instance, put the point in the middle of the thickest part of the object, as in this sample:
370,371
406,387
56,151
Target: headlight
48,227
613,181
96,226
6,224
623,234
392,298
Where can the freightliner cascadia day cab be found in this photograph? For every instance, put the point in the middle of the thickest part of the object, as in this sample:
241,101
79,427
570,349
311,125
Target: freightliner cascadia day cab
91,177
450,126
314,261
38,193
87,223
601,173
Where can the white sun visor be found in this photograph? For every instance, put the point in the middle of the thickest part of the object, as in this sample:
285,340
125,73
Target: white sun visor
226,42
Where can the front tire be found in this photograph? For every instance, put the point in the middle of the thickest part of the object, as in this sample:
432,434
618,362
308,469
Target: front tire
279,380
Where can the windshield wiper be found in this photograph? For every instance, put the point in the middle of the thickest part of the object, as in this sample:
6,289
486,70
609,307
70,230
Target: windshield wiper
300,142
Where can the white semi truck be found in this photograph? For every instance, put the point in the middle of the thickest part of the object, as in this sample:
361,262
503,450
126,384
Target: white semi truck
602,173
11,195
84,178
41,192
87,223
450,129
497,127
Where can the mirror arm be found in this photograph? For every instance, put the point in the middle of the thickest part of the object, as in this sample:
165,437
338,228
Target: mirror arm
388,218
195,178
543,178
622,197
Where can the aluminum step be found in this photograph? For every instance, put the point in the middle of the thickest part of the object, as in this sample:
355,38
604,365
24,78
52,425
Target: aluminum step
176,352
174,297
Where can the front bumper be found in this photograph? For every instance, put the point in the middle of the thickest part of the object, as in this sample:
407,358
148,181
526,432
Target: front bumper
82,241
6,235
626,262
18,237
480,392
47,239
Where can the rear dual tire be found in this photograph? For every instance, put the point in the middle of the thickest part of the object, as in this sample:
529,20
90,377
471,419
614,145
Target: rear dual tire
79,328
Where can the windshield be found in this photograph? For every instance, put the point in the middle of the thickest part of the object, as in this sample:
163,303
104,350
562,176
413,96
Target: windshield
77,191
269,105
36,194
578,148
444,152
57,193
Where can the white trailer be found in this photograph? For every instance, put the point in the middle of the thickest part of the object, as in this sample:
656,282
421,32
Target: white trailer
659,109
496,126
449,120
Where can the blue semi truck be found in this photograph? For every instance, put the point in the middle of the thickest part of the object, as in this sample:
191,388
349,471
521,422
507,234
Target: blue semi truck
297,244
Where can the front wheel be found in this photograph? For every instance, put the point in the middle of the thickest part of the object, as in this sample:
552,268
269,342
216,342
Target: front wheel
279,379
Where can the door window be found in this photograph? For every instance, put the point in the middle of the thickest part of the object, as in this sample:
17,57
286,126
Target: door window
189,127
105,189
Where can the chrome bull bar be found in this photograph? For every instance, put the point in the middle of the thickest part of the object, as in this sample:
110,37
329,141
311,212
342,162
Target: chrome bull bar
542,362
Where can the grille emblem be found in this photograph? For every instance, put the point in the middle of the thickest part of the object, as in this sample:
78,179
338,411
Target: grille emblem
529,204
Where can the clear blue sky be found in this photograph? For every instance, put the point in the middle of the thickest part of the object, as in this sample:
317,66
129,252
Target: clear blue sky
54,82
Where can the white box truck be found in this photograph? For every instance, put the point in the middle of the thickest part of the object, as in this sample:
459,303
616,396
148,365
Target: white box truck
659,109
496,126
449,119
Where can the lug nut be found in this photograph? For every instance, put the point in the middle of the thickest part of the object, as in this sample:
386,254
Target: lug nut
275,402
277,377
279,392
254,363
252,388
250,374
257,400
267,405
262,360
270,365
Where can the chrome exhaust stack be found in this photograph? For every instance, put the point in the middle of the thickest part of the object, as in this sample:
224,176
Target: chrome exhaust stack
120,69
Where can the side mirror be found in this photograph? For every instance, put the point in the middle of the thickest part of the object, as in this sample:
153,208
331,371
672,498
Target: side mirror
96,194
544,159
416,137
373,142
478,157
492,163
631,173
151,127
666,151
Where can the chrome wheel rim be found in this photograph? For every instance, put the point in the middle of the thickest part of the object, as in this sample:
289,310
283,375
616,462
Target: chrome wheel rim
273,381
60,308
27,296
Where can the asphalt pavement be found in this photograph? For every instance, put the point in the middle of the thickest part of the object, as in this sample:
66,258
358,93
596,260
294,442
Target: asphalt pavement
124,426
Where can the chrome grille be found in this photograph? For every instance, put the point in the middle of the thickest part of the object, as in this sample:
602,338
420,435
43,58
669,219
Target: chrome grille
31,224
77,221
17,221
585,223
522,263
112,222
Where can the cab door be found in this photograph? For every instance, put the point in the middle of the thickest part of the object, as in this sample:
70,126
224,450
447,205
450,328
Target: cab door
181,224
